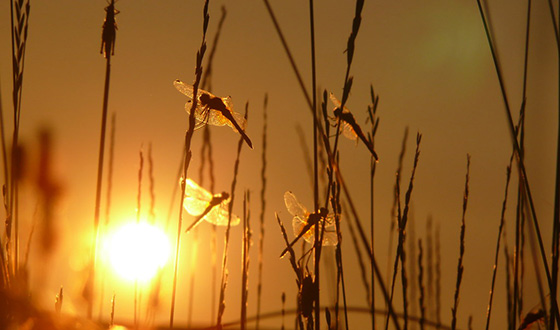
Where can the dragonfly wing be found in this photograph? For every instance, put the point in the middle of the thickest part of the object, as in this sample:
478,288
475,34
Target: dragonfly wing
185,89
216,118
199,115
219,215
349,132
334,100
197,198
330,237
240,119
294,207
298,225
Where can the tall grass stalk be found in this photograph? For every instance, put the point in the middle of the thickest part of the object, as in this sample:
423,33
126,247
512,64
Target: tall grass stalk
365,242
107,48
187,153
461,250
556,220
500,228
263,209
521,197
374,120
246,243
289,54
138,208
421,299
223,285
438,277
317,244
525,180
110,163
402,222
394,207
19,29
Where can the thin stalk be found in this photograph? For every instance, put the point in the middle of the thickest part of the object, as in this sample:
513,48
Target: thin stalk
495,268
521,165
138,205
188,154
317,245
223,285
263,208
289,54
461,250
521,195
107,40
421,285
556,220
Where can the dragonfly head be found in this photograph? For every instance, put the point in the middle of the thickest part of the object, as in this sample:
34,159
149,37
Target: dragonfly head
323,212
204,98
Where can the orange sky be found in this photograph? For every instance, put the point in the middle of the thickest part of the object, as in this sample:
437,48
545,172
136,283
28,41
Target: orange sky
428,61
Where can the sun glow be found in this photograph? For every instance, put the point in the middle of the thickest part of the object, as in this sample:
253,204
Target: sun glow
137,251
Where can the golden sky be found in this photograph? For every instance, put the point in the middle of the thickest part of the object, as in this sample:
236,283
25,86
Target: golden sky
428,61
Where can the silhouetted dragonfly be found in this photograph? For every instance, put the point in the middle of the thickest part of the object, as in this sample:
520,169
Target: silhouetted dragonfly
213,110
201,203
351,129
304,222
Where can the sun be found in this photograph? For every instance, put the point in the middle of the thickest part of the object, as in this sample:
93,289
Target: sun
137,251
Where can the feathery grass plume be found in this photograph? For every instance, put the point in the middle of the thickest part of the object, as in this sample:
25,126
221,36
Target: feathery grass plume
521,165
246,244
500,229
292,254
402,222
152,212
421,298
137,294
430,297
411,246
461,249
438,276
374,121
394,207
283,308
19,17
206,81
50,190
263,208
187,152
113,301
107,49
221,301
58,300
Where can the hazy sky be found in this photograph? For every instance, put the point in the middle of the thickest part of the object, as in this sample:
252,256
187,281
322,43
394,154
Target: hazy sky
429,62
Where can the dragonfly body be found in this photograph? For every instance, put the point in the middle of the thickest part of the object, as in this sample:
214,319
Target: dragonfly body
205,206
303,223
345,116
213,110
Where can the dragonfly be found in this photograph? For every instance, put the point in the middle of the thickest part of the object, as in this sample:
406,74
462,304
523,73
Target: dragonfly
304,223
213,110
351,129
201,203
